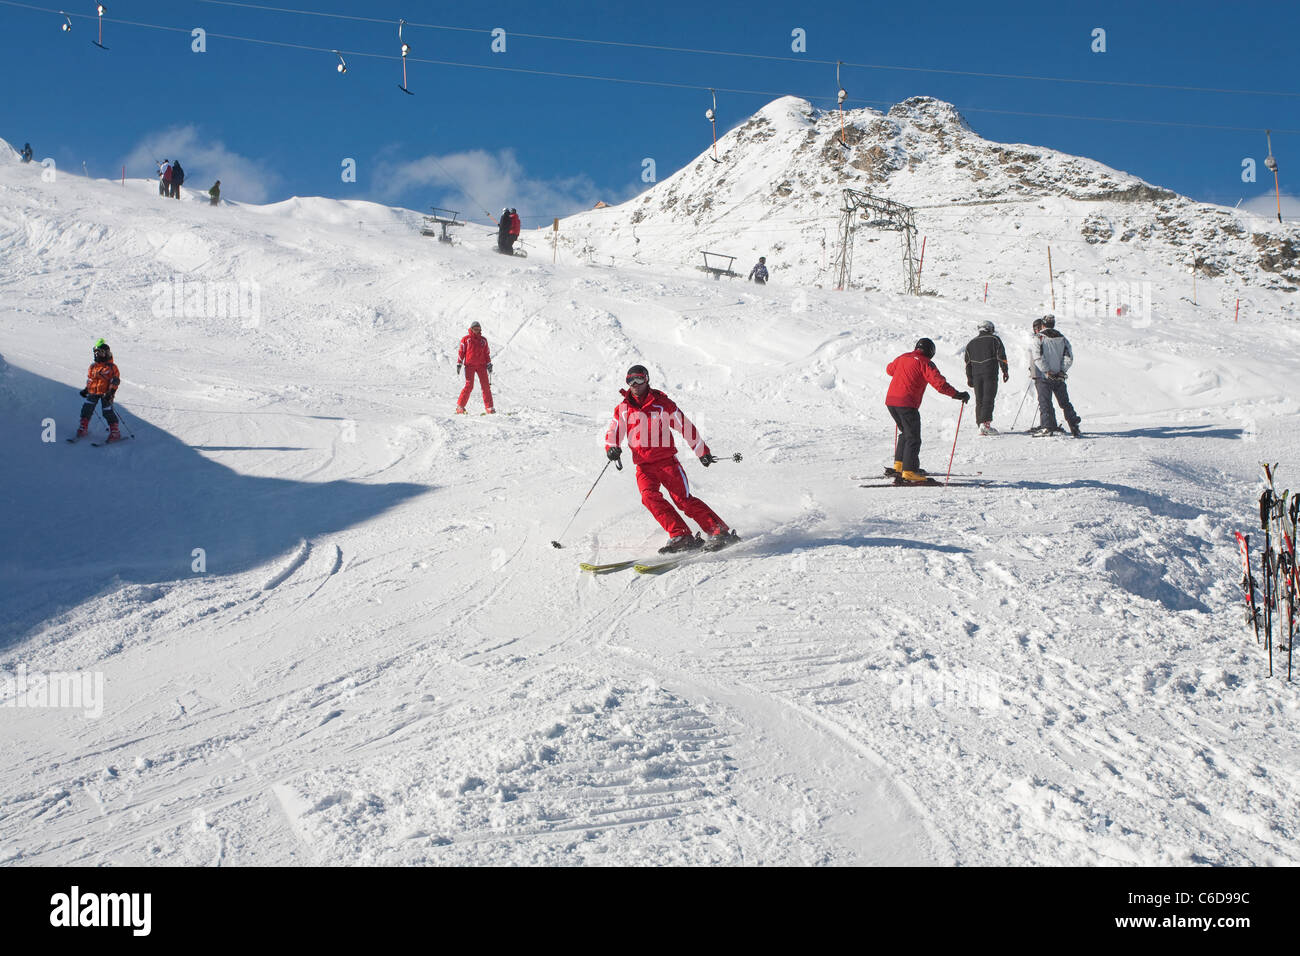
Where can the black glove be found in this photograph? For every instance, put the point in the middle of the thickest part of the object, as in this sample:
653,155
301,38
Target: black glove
963,397
489,368
1006,377
108,397
457,368
707,460
1056,376
84,393
615,453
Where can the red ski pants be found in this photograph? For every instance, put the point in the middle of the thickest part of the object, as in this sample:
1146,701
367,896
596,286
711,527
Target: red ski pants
482,373
670,474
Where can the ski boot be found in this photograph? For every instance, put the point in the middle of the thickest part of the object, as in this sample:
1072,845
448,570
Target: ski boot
899,472
683,542
987,429
113,433
460,410
1074,430
490,411
721,540
84,430
915,478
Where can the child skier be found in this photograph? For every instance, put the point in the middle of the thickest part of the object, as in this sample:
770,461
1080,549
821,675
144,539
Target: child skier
909,374
646,418
101,385
475,355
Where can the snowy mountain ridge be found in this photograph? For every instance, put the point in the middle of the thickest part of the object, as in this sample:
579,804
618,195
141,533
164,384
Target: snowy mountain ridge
777,191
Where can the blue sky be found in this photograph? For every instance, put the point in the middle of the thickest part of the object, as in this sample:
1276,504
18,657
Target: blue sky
272,122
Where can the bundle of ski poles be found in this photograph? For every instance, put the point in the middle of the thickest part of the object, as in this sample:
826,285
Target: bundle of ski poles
1272,610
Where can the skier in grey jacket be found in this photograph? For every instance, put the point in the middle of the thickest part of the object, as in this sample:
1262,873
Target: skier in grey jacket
1052,360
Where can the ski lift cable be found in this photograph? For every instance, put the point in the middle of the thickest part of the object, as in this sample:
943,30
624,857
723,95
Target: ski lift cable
653,83
781,59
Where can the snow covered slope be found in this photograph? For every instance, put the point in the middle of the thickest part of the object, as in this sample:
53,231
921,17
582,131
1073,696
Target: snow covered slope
988,212
332,628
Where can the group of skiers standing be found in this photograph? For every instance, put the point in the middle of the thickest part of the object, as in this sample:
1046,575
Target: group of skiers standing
507,231
171,176
986,359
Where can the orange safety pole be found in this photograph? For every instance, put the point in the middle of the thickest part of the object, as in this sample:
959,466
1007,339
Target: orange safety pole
954,444
1236,314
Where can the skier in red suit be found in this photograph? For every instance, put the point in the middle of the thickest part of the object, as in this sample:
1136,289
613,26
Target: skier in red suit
475,355
910,373
646,418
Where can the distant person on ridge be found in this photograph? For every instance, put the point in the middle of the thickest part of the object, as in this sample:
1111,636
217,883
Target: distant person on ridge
101,386
214,193
503,231
476,356
165,179
178,177
1052,360
909,374
759,272
27,152
985,357
646,418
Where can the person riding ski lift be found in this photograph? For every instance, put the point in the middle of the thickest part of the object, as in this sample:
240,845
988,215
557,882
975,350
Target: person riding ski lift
102,382
909,374
646,419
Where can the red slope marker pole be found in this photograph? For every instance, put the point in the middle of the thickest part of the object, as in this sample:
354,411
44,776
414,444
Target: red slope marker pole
1237,314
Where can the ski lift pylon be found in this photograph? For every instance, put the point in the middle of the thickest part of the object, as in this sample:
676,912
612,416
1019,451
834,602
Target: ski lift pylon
99,11
712,116
840,96
406,51
1271,163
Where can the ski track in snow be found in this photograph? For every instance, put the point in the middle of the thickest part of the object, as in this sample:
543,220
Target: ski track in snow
385,662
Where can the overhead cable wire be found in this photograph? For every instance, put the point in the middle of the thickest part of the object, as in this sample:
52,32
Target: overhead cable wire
771,58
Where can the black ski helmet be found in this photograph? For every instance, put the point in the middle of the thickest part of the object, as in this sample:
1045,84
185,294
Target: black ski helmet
1049,321
638,370
925,347
1038,325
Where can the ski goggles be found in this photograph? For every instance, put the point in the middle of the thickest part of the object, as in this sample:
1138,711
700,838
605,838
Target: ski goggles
637,379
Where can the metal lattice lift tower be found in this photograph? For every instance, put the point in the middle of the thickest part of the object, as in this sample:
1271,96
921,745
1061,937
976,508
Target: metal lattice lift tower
882,214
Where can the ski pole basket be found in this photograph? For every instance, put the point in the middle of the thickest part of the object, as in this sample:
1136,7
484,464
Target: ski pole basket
441,218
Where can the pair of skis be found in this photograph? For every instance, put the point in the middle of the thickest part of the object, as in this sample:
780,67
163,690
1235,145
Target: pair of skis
1278,514
898,481
653,566
97,444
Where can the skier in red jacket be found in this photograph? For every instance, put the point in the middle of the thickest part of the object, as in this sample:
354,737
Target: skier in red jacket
910,372
646,418
475,355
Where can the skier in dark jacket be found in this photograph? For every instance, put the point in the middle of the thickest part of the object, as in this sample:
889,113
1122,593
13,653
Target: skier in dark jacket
27,152
503,231
1052,360
178,177
214,193
985,357
910,373
759,272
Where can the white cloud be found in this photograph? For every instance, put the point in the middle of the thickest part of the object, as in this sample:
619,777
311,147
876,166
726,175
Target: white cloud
242,179
476,180
1266,206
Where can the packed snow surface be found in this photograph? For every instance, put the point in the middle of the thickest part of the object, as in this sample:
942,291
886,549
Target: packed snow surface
332,629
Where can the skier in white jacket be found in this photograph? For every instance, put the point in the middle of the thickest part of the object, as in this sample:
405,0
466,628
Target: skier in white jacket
1052,360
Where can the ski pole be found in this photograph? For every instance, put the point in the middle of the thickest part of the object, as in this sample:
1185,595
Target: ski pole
612,461
123,421
1022,405
954,444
